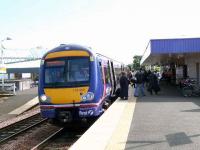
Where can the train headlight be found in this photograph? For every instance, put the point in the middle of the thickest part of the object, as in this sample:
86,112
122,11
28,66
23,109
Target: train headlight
43,98
88,96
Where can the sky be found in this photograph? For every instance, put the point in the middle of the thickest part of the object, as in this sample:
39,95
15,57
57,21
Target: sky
119,29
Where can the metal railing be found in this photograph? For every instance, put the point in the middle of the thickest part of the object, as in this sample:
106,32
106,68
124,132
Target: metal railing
8,89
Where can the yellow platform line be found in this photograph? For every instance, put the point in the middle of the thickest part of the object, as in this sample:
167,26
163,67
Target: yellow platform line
120,135
25,107
111,130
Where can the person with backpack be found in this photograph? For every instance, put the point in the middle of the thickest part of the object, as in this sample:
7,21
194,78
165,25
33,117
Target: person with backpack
140,80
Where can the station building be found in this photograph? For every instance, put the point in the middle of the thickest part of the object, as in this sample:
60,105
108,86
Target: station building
22,75
182,56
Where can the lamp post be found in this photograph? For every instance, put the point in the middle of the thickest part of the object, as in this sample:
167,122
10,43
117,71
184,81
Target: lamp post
2,60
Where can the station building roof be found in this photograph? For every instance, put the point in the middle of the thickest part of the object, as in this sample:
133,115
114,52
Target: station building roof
158,48
31,66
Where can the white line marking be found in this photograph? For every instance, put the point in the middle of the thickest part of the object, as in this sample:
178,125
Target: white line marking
25,107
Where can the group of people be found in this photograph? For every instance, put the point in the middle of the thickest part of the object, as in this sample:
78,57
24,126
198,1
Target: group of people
139,81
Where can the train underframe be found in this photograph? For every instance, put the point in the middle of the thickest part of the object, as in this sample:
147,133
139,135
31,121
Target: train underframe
74,114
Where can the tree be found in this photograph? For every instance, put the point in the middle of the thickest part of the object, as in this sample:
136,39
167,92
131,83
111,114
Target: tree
130,66
136,62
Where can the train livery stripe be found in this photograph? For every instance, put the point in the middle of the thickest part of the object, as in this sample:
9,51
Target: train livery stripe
72,105
67,53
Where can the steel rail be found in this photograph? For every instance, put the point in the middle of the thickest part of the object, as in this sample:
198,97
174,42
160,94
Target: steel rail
42,144
19,127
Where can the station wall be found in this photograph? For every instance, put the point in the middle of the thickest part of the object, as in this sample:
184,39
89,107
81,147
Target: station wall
192,62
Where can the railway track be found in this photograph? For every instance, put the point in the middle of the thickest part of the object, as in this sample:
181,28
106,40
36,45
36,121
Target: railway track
19,127
63,138
48,139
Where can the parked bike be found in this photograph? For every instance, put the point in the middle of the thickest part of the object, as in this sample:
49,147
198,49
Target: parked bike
191,89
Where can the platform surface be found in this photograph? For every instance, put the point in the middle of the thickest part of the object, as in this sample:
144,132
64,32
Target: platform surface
167,121
14,105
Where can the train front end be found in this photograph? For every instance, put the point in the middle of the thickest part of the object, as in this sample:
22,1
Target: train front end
67,86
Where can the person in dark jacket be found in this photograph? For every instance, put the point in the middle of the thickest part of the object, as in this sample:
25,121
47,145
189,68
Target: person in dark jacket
140,80
124,86
153,84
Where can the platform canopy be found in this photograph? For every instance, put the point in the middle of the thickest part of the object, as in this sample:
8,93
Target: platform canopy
165,51
31,66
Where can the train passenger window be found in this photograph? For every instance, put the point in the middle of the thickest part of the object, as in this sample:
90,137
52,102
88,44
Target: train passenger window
107,74
101,72
117,73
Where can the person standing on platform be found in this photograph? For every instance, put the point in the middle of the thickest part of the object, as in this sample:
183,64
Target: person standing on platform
153,83
124,86
129,76
140,80
133,80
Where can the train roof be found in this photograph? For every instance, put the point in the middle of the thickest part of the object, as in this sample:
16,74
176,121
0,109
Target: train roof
103,56
69,47
78,47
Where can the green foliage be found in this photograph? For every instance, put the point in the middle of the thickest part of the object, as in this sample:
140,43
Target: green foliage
130,66
136,62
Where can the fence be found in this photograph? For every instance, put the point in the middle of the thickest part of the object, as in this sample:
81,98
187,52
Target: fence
8,89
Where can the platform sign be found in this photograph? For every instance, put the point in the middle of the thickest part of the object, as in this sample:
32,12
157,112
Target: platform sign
3,70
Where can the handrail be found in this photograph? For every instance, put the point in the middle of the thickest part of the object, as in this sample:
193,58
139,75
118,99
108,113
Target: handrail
10,87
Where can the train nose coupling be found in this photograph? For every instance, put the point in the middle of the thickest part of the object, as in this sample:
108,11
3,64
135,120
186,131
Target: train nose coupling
65,116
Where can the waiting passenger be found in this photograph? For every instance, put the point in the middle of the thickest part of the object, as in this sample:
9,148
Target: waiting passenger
124,86
140,80
153,84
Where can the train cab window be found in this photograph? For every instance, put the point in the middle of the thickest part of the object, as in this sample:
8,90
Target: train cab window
54,72
78,70
68,72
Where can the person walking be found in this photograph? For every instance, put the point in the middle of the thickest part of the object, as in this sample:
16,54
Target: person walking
124,86
140,80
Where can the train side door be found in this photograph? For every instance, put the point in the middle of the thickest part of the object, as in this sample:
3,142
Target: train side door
105,75
102,80
113,79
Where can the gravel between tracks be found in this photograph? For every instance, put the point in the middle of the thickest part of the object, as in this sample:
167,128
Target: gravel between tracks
31,138
20,117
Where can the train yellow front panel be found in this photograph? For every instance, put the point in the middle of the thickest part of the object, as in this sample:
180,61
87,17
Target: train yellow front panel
65,95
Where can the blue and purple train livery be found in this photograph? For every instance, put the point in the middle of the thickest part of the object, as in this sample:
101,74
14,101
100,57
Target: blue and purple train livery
76,83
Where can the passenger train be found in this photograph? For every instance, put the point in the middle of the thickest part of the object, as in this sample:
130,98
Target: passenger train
75,83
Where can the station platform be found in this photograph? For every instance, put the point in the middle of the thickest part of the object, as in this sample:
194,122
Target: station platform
17,104
153,122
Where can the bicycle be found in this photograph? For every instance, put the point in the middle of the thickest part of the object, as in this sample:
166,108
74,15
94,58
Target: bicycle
191,90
